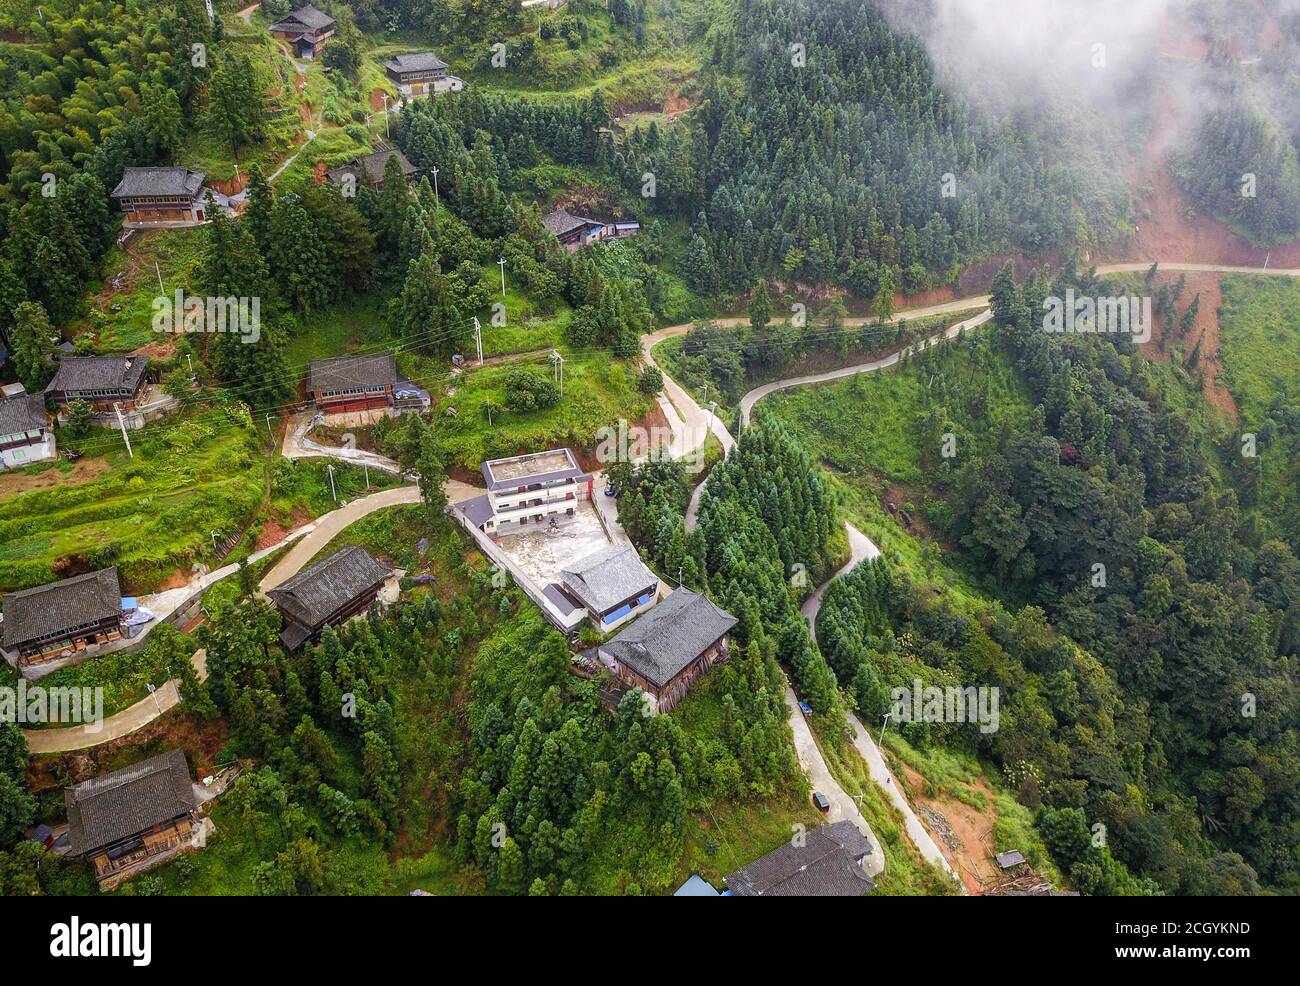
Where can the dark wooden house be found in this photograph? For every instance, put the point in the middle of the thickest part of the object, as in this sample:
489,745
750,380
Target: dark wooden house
369,170
61,618
416,73
668,648
830,862
161,197
100,381
327,594
352,383
306,29
133,819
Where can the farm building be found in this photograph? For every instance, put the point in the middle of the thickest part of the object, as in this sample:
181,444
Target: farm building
133,819
51,621
328,593
612,585
161,197
668,648
370,171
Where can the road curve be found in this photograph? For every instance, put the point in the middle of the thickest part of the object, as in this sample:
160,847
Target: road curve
861,547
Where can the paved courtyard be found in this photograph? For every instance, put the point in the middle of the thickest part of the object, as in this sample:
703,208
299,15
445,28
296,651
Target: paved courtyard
542,555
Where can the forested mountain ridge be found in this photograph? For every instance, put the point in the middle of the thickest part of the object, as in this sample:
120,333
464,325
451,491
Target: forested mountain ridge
826,151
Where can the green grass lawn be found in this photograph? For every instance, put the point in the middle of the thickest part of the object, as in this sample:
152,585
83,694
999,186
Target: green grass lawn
1260,351
598,390
874,422
192,474
121,319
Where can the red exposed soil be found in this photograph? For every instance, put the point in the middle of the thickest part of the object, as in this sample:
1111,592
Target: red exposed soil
176,580
675,103
1204,330
161,350
272,533
229,186
85,470
972,849
201,740
377,99
319,172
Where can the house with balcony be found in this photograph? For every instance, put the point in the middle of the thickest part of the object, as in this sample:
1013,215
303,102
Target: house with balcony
160,197
67,619
668,649
133,819
421,73
25,433
306,29
525,492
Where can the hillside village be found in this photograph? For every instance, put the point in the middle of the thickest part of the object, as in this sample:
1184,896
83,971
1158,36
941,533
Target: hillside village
480,455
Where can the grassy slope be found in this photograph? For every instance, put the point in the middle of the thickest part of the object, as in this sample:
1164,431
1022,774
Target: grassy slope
1260,349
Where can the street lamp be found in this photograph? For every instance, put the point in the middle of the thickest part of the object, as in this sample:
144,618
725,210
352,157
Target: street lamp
883,725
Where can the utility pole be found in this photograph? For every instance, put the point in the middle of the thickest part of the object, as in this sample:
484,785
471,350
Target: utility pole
333,492
713,410
557,364
478,339
158,271
435,186
387,129
122,424
883,727
268,429
502,264
366,468
190,363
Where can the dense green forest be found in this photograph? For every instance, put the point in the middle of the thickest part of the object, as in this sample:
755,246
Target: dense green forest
1123,576
826,152
1239,162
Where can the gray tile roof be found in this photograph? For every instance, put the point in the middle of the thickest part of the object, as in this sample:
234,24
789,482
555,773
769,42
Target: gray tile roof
329,585
415,61
828,864
107,809
660,644
23,413
58,606
371,167
609,576
308,17
562,221
476,509
140,182
125,373
346,372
